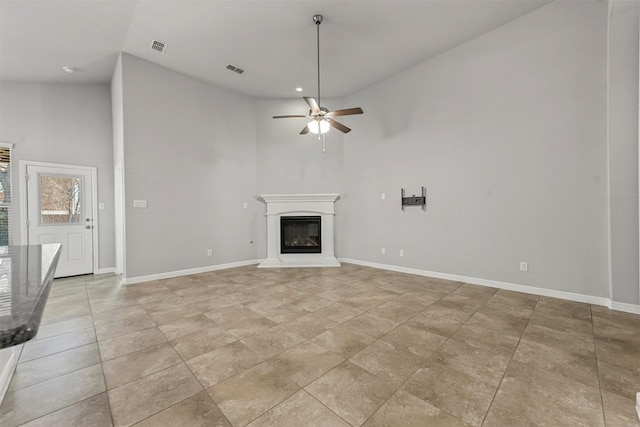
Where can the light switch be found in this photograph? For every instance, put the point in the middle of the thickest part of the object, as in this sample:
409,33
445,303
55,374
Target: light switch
245,205
139,203
100,205
383,196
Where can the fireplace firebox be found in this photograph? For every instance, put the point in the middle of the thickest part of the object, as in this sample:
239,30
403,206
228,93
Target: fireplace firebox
300,235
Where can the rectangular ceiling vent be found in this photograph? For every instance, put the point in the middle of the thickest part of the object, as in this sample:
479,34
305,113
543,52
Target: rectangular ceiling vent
158,46
235,69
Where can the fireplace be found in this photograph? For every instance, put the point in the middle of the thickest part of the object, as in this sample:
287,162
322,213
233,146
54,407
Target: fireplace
300,235
300,230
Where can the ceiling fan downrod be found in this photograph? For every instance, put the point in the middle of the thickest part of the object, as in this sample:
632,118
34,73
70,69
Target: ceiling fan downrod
321,118
318,20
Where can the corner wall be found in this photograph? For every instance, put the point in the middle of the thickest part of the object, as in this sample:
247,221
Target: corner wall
189,151
508,134
290,163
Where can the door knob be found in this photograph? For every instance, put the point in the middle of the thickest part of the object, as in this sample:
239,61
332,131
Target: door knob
88,227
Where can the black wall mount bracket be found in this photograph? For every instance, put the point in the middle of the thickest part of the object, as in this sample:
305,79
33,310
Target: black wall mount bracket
414,200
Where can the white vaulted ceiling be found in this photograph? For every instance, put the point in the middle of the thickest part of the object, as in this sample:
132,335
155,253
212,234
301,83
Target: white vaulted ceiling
362,42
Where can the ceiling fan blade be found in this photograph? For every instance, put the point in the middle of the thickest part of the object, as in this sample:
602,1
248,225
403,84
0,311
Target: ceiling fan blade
315,108
286,117
342,128
304,130
346,112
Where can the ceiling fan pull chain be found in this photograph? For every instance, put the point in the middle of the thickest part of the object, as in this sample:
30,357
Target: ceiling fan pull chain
324,147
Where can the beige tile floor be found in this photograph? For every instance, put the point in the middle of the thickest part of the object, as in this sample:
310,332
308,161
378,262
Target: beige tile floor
321,347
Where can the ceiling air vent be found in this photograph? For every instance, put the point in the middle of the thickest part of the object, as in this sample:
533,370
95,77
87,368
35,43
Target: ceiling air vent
158,46
235,69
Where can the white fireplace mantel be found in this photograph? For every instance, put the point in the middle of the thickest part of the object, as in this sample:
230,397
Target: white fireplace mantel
300,205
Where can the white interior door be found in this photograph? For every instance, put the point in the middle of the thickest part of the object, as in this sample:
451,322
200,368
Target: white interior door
59,210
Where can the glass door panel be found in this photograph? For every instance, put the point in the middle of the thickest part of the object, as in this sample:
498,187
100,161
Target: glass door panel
60,199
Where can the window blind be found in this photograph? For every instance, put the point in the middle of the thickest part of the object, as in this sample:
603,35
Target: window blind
5,234
5,193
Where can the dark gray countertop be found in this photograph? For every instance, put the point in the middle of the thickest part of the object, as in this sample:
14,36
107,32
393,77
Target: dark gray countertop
26,274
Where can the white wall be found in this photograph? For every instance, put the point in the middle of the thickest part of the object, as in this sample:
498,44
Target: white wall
290,163
508,134
623,154
62,123
189,151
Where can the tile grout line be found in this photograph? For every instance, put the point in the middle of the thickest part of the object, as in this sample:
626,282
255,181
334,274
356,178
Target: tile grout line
447,339
204,389
59,375
338,324
595,353
160,370
300,389
509,363
426,358
321,403
104,379
75,370
305,340
378,286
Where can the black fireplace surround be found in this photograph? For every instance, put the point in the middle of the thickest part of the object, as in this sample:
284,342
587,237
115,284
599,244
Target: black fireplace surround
300,234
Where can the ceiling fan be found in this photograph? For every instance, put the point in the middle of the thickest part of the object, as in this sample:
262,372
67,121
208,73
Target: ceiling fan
321,118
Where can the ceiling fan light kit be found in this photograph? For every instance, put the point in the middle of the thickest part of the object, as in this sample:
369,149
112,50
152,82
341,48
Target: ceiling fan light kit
318,126
322,119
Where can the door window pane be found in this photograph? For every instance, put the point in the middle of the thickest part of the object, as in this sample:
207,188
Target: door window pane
60,199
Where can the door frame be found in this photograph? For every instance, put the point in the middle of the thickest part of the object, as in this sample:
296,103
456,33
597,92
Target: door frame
23,164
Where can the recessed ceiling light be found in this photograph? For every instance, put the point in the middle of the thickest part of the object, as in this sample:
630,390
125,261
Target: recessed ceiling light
68,69
298,89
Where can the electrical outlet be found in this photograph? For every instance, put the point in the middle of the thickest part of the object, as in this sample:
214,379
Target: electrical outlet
524,266
401,252
209,252
383,251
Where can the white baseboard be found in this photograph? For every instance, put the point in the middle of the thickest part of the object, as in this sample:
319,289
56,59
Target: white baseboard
623,306
171,274
105,270
7,370
589,299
